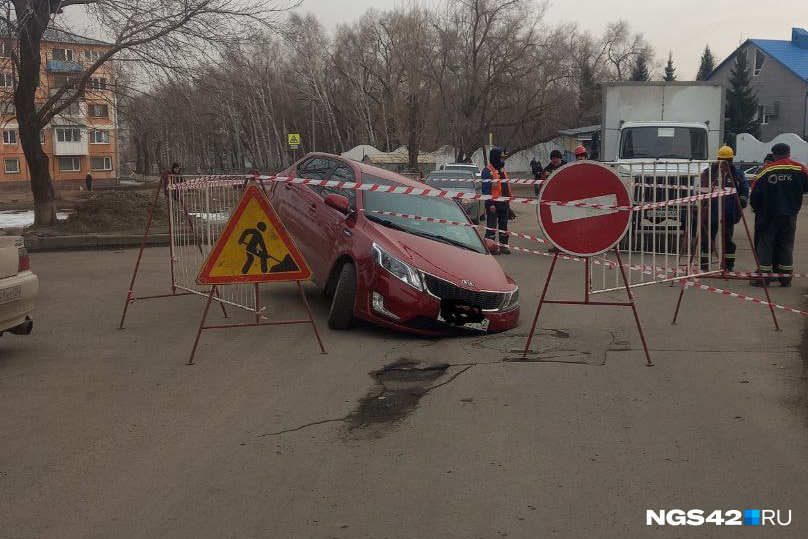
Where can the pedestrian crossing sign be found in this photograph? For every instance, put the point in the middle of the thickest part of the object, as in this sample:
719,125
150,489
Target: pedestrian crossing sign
294,140
254,247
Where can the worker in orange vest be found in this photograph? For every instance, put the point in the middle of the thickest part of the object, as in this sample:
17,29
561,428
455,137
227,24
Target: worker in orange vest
497,211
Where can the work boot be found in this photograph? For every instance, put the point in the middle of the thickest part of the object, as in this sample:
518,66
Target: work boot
759,282
504,250
729,266
785,282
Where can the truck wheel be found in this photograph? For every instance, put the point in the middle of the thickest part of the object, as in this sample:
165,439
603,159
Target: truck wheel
341,314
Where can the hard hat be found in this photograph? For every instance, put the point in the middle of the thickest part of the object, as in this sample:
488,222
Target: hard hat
725,152
580,150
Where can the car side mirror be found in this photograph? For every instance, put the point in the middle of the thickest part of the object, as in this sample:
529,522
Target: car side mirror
491,245
339,203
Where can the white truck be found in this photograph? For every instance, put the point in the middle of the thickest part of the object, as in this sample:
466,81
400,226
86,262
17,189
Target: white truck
658,136
661,121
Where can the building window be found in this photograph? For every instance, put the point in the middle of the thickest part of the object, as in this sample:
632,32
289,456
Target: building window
9,137
69,164
7,80
99,137
73,109
63,55
101,163
760,59
68,134
92,56
12,165
5,50
98,83
99,111
62,80
762,117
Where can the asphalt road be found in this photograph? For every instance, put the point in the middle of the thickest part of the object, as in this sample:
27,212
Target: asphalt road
108,434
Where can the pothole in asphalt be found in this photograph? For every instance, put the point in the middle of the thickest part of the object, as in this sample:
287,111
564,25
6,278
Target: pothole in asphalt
400,385
587,346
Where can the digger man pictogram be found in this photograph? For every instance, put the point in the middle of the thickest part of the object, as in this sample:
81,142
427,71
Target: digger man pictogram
256,247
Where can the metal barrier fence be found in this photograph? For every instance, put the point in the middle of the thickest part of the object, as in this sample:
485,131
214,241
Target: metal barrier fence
675,237
198,213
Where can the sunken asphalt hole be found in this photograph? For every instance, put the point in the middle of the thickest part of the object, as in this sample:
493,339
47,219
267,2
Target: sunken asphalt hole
400,385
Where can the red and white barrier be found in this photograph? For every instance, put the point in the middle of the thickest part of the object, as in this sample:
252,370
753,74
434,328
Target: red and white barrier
713,289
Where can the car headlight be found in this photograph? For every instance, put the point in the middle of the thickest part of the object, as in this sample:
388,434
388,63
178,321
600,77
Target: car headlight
400,269
513,301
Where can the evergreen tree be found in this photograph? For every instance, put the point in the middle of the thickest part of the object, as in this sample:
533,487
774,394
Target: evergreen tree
742,102
670,70
707,64
640,70
589,96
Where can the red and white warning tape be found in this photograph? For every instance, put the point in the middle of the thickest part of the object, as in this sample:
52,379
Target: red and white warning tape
745,274
699,286
441,193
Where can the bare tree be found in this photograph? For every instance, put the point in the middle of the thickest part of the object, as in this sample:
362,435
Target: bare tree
155,31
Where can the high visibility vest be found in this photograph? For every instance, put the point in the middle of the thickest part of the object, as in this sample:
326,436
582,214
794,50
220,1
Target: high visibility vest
496,186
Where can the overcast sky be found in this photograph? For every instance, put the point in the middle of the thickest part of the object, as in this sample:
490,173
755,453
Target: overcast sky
683,27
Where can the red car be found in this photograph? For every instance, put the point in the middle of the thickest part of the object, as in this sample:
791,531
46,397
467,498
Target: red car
415,276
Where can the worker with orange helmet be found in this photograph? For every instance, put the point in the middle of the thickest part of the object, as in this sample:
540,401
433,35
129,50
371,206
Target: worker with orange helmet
581,154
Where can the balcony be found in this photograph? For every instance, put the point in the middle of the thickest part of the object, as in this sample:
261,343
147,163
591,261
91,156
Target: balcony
63,66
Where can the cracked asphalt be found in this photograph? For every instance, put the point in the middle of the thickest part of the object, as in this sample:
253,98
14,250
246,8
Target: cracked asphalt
108,434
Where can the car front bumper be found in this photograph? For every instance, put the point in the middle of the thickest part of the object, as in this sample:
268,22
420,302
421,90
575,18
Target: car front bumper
390,302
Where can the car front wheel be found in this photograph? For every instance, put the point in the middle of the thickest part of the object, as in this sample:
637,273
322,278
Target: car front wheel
341,314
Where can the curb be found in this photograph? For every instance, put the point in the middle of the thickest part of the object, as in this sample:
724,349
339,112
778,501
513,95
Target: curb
91,241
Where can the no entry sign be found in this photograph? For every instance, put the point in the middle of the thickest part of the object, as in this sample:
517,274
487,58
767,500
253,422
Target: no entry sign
584,231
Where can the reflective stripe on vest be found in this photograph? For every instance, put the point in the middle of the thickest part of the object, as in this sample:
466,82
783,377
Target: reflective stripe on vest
496,187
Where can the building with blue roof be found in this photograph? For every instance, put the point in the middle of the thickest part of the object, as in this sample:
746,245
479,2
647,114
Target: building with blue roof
780,77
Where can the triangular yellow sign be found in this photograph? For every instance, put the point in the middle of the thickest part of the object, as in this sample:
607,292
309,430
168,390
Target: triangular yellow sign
254,247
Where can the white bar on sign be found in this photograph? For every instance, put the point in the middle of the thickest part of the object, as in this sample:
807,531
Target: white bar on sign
562,214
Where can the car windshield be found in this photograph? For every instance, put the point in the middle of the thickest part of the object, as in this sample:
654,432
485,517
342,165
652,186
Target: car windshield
656,142
440,208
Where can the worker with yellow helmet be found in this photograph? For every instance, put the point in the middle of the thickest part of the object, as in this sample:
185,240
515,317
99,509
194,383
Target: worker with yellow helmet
721,175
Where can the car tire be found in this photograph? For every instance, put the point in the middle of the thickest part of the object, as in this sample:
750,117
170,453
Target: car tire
342,306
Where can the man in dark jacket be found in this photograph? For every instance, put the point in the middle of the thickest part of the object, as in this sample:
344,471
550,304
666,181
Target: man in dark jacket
166,175
496,212
777,199
556,162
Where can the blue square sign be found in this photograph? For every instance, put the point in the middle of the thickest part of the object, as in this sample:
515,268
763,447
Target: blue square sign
751,517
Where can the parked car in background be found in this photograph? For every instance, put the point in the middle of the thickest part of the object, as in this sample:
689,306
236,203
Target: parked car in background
441,179
18,287
471,167
751,173
416,276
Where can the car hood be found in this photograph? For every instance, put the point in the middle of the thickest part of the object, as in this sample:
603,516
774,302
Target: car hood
445,261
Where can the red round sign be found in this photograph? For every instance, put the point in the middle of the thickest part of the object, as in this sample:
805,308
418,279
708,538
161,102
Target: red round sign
584,231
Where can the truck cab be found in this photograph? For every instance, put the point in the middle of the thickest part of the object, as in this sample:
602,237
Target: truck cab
663,141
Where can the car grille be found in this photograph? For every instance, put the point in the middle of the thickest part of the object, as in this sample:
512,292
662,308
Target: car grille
446,290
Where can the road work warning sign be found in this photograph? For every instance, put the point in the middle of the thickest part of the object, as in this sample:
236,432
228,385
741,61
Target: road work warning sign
254,247
294,140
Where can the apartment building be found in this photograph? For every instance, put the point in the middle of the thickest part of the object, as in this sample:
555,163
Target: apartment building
84,137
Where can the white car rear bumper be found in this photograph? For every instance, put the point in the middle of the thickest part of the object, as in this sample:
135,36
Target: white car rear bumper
24,287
